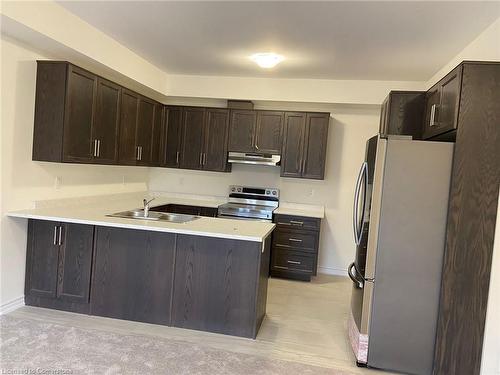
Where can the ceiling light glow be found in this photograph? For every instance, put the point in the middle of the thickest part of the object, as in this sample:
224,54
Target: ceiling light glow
267,59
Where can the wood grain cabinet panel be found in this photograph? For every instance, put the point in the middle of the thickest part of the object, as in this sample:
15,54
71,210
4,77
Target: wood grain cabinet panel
172,136
402,113
442,106
157,135
133,271
144,131
472,217
217,283
79,115
106,123
128,125
58,265
304,145
242,131
269,132
193,126
216,135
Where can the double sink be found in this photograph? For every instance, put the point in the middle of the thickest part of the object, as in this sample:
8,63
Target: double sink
139,214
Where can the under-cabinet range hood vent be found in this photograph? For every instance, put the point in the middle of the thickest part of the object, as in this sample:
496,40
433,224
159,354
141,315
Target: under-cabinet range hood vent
256,159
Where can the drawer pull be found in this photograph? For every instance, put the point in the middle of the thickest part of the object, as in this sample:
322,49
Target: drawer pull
293,262
294,222
281,267
281,245
295,240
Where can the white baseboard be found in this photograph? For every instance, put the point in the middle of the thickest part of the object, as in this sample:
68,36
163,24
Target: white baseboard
12,305
332,271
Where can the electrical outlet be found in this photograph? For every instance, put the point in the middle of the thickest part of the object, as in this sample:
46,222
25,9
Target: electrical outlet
123,180
311,193
57,182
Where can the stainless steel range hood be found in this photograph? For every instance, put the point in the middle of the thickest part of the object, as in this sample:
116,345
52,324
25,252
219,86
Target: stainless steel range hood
256,159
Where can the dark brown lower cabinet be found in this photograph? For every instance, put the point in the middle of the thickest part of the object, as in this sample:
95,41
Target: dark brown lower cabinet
133,275
58,265
220,285
295,247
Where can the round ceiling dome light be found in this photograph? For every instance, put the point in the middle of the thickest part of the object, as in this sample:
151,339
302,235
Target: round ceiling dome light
267,59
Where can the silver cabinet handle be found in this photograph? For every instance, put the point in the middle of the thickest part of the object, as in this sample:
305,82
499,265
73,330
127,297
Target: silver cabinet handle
98,148
295,222
432,121
295,240
137,153
177,157
204,158
140,152
281,267
60,235
55,235
200,161
95,147
281,245
293,262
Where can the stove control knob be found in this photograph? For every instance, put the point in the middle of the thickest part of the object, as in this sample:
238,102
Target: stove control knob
267,192
239,190
232,189
274,192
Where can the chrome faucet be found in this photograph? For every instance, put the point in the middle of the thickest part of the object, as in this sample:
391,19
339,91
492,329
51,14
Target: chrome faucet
147,206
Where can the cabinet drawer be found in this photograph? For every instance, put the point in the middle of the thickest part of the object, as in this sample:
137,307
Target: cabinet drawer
299,222
292,261
303,240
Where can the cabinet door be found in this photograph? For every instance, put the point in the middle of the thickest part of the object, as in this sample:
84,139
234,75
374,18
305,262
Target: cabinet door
269,132
127,152
442,103
79,115
193,124
383,125
171,144
215,149
242,131
131,284
156,138
145,124
293,144
315,146
75,259
42,259
106,122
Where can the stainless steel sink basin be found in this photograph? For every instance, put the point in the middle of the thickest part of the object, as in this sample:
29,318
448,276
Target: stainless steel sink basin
155,216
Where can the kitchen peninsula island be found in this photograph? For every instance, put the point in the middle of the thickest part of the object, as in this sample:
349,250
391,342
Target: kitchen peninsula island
208,274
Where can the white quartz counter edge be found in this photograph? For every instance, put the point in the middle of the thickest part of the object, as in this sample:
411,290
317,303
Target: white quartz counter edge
315,211
221,228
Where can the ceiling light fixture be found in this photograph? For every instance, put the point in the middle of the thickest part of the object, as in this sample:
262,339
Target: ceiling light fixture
267,59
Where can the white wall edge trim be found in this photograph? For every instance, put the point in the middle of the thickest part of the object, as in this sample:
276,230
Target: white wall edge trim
12,305
332,271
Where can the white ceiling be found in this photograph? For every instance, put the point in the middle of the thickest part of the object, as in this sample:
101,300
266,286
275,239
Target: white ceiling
328,40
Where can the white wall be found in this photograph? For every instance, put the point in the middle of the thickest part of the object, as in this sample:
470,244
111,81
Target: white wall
350,127
24,181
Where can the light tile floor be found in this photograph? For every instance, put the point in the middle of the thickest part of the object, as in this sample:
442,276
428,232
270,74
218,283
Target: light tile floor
305,322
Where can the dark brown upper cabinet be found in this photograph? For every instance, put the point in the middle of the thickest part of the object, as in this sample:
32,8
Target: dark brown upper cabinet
106,123
204,139
136,129
304,146
216,134
401,114
157,135
171,138
256,131
193,123
59,261
442,106
76,115
242,131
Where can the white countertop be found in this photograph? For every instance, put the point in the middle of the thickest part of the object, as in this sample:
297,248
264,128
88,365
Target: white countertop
93,211
297,209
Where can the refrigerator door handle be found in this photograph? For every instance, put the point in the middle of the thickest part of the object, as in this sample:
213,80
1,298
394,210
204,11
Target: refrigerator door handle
355,219
359,284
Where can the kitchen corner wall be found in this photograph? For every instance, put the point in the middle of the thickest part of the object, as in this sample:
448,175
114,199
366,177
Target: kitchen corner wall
24,181
350,127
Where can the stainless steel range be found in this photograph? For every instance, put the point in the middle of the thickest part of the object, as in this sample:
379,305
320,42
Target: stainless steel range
250,203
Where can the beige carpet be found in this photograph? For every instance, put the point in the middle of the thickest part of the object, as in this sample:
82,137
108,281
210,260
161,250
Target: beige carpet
28,346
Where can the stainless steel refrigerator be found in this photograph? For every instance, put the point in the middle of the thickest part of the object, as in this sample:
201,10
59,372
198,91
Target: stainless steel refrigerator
399,223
